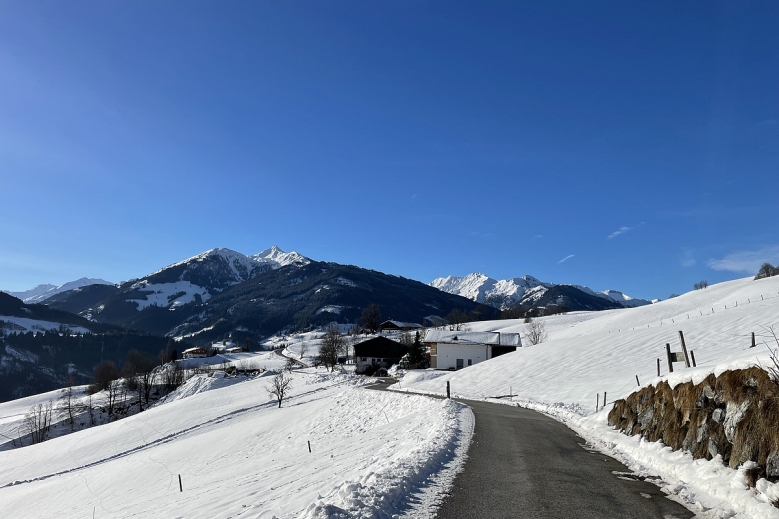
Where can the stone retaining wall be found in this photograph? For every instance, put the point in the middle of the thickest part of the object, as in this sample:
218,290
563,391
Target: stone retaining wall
734,415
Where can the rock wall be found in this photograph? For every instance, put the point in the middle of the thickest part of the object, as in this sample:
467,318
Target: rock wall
734,415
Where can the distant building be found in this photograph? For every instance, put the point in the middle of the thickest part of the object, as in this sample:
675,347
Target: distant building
194,353
399,325
234,349
379,352
457,350
222,346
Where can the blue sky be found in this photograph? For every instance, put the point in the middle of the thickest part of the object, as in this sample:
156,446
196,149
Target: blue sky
613,144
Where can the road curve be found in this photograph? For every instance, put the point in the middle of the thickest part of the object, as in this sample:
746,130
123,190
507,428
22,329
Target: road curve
523,464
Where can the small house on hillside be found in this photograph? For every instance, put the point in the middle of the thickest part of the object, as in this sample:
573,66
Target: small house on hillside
378,352
457,350
194,353
391,325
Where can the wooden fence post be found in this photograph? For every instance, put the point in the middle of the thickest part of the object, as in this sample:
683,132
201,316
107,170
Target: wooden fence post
181,488
604,399
597,402
692,355
684,350
658,366
670,362
448,394
753,340
309,446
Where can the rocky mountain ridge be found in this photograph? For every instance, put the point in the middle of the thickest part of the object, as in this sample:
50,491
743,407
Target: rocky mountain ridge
523,291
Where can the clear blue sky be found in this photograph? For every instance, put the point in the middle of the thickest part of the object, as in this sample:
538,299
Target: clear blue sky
416,138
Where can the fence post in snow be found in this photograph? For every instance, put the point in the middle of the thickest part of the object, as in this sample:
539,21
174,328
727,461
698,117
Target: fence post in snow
692,355
670,362
658,366
597,402
448,394
604,399
181,488
309,446
753,340
684,349
637,382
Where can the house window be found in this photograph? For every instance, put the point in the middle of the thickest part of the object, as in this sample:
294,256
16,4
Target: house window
470,362
459,363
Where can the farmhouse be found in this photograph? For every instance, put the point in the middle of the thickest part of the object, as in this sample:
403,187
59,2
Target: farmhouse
457,350
398,325
194,353
379,351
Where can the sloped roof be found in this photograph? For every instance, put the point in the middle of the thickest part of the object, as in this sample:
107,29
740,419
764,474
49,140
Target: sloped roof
488,338
380,347
401,324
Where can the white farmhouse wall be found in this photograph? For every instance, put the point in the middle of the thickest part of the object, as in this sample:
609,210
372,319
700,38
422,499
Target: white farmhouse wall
449,353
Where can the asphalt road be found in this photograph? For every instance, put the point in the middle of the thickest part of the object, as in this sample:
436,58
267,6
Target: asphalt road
522,464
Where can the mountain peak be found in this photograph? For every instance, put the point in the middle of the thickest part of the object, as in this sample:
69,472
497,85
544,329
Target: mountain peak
507,293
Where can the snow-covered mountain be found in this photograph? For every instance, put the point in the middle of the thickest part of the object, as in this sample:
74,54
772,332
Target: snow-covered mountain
45,291
503,294
280,258
525,290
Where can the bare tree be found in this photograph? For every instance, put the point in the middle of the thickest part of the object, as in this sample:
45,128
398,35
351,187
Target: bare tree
290,364
68,406
766,271
173,375
535,332
371,317
331,346
37,422
139,367
280,387
456,318
105,373
303,349
86,407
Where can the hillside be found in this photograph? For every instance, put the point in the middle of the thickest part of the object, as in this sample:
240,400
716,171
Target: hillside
45,291
40,347
223,293
592,353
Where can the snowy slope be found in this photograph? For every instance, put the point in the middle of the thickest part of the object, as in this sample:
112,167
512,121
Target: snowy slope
373,453
589,353
45,291
592,352
525,290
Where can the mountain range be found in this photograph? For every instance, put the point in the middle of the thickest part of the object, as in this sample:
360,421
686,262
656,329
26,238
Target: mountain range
45,291
222,293
525,291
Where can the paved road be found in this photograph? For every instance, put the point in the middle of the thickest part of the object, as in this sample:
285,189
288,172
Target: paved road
522,464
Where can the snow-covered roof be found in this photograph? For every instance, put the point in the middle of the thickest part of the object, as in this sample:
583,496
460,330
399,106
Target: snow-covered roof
400,324
193,350
490,338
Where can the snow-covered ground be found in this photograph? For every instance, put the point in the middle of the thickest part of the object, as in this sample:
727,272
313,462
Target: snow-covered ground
589,353
373,454
13,324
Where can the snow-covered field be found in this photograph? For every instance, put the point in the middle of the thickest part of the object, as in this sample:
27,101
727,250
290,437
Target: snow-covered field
373,454
24,325
588,354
